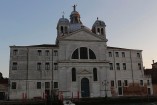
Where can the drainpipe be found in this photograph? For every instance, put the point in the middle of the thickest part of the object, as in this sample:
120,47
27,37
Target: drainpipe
52,78
9,83
132,69
115,69
27,89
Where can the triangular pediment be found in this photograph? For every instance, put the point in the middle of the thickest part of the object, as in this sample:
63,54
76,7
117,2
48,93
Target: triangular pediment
84,72
83,34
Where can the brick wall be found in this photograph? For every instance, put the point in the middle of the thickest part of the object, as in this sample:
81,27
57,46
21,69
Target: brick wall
135,89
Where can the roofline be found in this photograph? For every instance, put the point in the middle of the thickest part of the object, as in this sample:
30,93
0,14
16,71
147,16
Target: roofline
118,48
41,45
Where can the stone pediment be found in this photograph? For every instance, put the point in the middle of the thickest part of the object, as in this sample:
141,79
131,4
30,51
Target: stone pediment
83,34
84,72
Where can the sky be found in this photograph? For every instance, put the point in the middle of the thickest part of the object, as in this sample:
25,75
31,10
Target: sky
130,24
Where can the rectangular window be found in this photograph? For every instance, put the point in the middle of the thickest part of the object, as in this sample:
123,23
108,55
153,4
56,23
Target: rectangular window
123,54
139,66
47,52
73,74
141,83
95,78
55,66
38,85
15,52
125,83
55,53
138,55
38,66
13,85
47,66
118,66
111,66
39,53
124,66
55,84
119,83
117,54
47,85
110,54
112,83
14,66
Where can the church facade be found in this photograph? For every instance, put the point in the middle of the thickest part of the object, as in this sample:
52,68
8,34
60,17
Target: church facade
79,64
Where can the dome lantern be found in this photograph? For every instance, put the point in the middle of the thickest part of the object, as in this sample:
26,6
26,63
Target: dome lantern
75,16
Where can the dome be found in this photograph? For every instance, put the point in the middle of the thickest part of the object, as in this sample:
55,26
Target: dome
74,13
74,27
99,23
75,17
63,21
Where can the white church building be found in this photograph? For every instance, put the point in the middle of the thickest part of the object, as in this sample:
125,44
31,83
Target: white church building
79,64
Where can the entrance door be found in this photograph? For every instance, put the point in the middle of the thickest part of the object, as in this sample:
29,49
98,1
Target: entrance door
85,87
47,94
148,91
120,90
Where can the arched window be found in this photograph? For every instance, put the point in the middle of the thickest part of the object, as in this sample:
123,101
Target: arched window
62,30
75,54
66,29
83,53
95,78
91,54
102,31
73,74
98,30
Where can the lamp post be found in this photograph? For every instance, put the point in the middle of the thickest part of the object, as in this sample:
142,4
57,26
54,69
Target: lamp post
105,83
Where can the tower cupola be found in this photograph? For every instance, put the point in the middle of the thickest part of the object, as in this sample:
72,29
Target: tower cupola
99,27
63,26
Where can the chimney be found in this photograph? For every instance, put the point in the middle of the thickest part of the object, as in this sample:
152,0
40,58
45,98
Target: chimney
153,61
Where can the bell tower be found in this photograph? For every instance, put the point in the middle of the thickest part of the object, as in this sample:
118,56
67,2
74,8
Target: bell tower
63,26
99,27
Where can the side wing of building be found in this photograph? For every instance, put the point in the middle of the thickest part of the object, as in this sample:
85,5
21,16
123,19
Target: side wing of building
30,70
126,73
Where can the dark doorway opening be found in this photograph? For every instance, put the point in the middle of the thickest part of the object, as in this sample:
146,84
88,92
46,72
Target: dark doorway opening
85,87
2,95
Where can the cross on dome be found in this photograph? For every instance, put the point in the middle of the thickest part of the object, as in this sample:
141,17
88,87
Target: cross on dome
63,14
